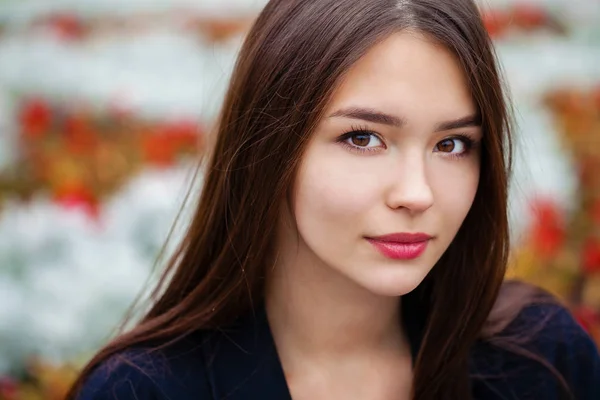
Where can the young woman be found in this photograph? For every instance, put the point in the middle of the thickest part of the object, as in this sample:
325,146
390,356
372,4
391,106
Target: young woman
351,237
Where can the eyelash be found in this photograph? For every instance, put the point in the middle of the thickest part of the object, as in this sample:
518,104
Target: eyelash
358,130
469,142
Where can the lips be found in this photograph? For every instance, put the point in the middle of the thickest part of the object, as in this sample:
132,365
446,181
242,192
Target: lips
401,246
403,237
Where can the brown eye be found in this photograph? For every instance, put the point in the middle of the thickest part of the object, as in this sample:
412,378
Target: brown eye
454,146
446,146
361,139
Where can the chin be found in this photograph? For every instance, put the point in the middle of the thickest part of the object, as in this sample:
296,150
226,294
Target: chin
386,285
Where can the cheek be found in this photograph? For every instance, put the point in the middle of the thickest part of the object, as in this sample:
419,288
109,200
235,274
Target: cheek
331,189
455,188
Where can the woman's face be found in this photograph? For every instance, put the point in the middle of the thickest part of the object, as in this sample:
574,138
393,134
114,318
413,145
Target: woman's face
392,170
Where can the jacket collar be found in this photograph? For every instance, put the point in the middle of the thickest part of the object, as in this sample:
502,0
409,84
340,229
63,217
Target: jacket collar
248,363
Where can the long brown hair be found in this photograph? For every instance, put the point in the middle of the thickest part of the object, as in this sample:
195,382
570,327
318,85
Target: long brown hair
292,60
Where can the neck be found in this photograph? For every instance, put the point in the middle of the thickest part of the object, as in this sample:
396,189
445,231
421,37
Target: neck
316,311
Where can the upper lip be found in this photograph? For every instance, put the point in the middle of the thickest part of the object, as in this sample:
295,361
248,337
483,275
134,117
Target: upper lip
403,237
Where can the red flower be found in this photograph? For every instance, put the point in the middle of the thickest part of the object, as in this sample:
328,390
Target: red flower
8,389
548,232
591,256
68,26
80,138
587,317
78,197
529,16
35,118
158,149
162,146
495,22
183,134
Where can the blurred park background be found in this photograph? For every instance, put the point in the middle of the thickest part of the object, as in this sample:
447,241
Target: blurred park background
105,105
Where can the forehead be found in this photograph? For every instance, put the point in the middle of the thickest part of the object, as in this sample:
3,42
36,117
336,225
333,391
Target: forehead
406,74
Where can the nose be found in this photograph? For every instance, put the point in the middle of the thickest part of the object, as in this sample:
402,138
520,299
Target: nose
410,189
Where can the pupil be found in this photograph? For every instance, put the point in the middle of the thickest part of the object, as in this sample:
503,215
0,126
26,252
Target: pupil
446,145
361,140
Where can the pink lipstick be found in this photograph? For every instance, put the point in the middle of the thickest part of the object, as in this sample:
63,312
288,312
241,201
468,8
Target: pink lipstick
401,246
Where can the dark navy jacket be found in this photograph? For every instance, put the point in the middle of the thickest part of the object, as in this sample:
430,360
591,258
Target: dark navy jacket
242,363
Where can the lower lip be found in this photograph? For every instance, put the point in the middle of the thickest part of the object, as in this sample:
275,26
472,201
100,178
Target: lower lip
400,251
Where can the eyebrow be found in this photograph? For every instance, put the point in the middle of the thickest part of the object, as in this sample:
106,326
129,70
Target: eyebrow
378,117
370,115
464,122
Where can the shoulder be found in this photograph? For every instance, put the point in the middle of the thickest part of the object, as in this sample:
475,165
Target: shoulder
176,372
551,330
539,353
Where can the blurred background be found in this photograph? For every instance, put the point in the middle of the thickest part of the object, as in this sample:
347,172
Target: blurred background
105,105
